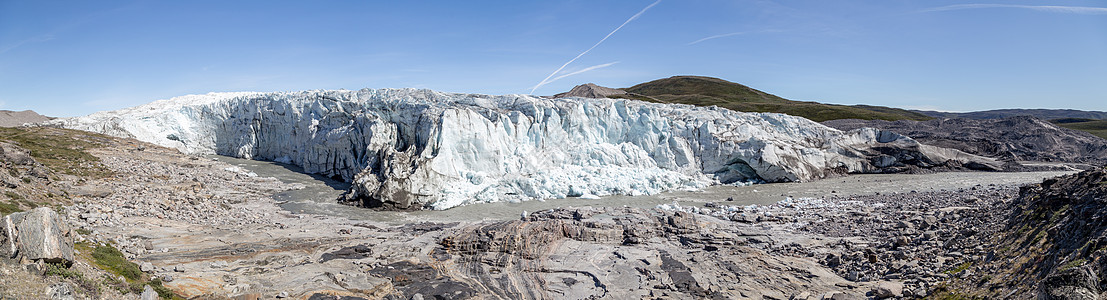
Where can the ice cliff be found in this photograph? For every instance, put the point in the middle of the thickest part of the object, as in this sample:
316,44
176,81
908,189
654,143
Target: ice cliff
411,149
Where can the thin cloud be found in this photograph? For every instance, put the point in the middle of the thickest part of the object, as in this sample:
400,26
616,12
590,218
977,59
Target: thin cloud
1084,10
732,34
635,16
717,36
37,39
582,71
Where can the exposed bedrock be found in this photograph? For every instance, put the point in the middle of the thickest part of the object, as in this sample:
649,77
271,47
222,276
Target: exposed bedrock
622,253
414,149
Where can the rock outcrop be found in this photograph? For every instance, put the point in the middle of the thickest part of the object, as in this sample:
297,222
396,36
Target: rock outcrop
37,235
598,253
412,149
1011,139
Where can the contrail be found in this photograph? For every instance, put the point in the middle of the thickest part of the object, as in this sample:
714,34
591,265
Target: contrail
635,16
1046,8
582,71
717,36
733,34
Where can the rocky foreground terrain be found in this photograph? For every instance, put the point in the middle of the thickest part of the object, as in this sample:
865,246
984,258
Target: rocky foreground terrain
144,220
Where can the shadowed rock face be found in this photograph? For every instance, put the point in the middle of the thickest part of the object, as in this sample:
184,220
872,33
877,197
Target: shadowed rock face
1009,139
1053,244
417,149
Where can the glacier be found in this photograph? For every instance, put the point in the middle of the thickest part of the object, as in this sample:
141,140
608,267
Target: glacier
423,149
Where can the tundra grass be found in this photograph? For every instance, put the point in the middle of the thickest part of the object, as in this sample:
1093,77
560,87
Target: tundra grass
61,150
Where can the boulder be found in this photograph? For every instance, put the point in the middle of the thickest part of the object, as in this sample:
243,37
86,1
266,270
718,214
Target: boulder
60,291
148,293
13,154
36,235
888,289
1078,283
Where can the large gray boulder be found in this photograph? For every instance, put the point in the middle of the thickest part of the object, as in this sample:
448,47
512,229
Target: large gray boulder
1071,284
148,293
37,235
14,154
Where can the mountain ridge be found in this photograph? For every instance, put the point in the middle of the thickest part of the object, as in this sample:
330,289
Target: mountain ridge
1041,113
10,118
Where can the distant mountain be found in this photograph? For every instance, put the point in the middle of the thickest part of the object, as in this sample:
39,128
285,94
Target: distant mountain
18,118
1044,114
591,90
1094,122
706,91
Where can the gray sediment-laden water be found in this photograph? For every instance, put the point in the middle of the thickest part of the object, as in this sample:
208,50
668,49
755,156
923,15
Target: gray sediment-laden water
320,193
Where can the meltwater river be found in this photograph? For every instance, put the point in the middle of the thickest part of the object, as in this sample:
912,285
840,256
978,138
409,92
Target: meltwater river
319,193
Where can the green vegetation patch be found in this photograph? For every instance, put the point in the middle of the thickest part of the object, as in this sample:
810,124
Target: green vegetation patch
13,195
61,270
7,208
959,268
61,150
108,258
112,260
1095,127
1073,264
945,292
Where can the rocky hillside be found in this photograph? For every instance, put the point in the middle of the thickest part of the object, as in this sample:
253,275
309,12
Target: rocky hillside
416,149
1053,246
18,118
706,91
1010,139
41,255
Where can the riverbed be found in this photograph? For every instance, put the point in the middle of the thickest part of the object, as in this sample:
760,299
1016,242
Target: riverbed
320,193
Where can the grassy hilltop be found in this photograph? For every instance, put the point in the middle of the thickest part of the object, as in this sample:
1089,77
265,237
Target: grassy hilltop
704,91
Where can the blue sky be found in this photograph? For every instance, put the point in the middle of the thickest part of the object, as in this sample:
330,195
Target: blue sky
68,58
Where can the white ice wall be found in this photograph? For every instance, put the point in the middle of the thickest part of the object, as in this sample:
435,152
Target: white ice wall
421,148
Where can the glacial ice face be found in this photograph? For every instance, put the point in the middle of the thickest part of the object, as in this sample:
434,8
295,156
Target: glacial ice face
408,148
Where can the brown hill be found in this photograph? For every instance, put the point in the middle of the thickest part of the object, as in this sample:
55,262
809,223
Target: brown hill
18,118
